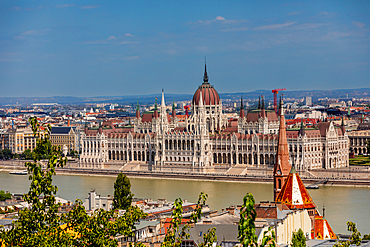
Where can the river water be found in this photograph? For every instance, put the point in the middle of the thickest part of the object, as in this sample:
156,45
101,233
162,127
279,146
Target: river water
342,204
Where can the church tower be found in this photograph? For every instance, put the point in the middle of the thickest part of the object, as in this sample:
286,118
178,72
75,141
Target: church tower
282,166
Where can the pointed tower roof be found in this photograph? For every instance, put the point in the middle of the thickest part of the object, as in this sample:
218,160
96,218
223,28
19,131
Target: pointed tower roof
163,103
282,164
294,194
301,130
242,114
342,127
263,112
173,109
200,100
156,115
259,102
209,93
205,77
322,229
137,109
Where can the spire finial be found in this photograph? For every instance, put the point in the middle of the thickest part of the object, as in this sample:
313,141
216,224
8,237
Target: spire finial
259,102
205,77
263,103
241,103
155,104
281,104
173,103
137,104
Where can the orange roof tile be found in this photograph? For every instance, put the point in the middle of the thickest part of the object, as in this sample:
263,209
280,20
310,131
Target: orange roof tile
322,229
294,194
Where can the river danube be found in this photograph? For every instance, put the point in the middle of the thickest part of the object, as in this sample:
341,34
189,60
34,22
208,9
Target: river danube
342,204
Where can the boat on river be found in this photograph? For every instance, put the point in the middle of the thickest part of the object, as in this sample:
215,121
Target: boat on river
312,187
24,172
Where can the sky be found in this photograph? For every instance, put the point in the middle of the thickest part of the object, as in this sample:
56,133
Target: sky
114,48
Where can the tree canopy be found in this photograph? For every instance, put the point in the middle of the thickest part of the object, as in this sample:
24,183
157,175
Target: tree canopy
122,192
4,196
298,239
41,225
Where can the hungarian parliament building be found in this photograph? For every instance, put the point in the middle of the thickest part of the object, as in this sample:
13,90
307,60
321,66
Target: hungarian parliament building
206,138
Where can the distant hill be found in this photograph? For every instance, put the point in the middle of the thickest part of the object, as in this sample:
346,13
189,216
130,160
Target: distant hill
149,99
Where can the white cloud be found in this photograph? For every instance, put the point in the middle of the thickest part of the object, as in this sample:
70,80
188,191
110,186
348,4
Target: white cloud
307,26
132,57
172,52
65,5
274,26
293,13
128,42
90,7
111,37
358,24
35,32
220,18
235,29
9,60
129,35
337,34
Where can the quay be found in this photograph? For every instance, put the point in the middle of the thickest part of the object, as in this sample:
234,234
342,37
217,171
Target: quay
350,176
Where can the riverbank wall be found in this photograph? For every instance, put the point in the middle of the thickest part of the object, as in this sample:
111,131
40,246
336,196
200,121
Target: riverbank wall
341,177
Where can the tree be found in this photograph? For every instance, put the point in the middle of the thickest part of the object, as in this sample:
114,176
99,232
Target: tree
4,196
27,154
298,239
122,194
41,225
247,229
368,148
6,154
354,238
174,236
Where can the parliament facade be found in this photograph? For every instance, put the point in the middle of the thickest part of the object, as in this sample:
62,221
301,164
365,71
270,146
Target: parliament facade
207,138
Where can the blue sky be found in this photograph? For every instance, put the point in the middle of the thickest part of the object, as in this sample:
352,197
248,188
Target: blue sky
111,48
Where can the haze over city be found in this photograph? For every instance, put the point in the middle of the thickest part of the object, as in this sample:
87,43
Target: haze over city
95,48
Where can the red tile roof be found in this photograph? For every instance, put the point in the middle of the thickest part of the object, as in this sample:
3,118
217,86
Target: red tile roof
294,194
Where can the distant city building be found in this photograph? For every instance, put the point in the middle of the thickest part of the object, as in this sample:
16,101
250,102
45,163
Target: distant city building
358,141
63,136
94,202
308,101
19,139
207,138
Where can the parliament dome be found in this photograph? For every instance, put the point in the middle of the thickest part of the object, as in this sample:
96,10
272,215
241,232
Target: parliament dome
209,94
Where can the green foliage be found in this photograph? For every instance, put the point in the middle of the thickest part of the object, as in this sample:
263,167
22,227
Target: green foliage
27,154
366,237
174,237
41,225
209,238
247,229
100,228
4,196
298,239
122,194
354,239
6,154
